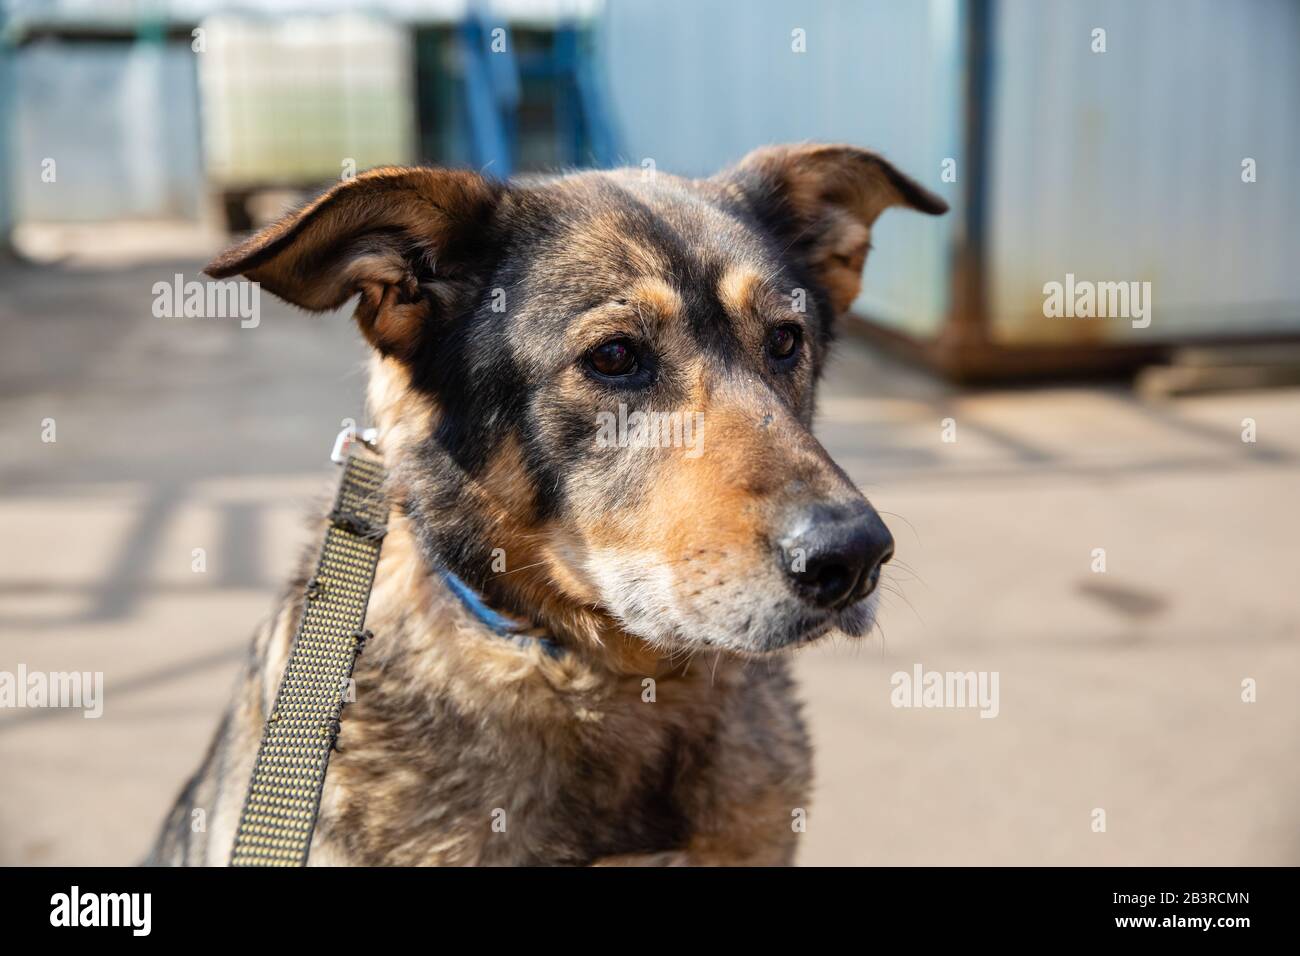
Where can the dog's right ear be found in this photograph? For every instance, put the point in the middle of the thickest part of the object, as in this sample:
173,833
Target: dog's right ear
414,243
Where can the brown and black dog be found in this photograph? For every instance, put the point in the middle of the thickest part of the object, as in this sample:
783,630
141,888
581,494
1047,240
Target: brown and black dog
512,323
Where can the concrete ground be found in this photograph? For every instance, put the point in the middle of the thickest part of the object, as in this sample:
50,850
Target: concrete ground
1118,691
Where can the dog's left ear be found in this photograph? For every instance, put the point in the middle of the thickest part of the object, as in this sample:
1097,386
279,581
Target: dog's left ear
414,242
820,202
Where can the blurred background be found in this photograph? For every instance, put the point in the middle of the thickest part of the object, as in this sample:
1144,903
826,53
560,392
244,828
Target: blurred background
1110,141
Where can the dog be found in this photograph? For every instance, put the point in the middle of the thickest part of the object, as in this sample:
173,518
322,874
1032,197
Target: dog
640,711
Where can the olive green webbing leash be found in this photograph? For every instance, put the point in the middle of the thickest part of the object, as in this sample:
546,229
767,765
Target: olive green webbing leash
284,794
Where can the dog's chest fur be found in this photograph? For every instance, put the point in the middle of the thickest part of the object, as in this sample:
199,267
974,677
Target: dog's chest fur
508,781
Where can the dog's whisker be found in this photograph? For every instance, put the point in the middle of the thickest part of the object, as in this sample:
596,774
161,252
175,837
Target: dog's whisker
907,522
525,567
905,599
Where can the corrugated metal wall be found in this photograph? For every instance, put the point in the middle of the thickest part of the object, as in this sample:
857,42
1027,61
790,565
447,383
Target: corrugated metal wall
695,84
1116,166
119,123
1126,165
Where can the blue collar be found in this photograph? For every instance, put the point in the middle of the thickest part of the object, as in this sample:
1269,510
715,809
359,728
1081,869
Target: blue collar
494,621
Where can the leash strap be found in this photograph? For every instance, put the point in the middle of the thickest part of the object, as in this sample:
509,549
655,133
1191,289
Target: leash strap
284,794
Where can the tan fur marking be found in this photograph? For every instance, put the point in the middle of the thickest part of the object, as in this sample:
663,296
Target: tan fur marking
655,294
740,290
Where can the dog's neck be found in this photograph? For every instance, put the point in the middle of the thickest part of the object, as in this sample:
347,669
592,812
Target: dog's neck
519,630
421,595
529,608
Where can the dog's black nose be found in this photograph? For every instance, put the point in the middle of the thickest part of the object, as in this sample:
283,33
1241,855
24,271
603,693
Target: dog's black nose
833,555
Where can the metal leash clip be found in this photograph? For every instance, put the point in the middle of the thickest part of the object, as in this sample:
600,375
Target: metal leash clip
369,439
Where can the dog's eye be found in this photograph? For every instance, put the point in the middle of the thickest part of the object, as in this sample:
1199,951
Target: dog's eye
613,358
783,341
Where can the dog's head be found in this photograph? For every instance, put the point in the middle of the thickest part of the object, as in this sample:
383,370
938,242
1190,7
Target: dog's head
596,391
